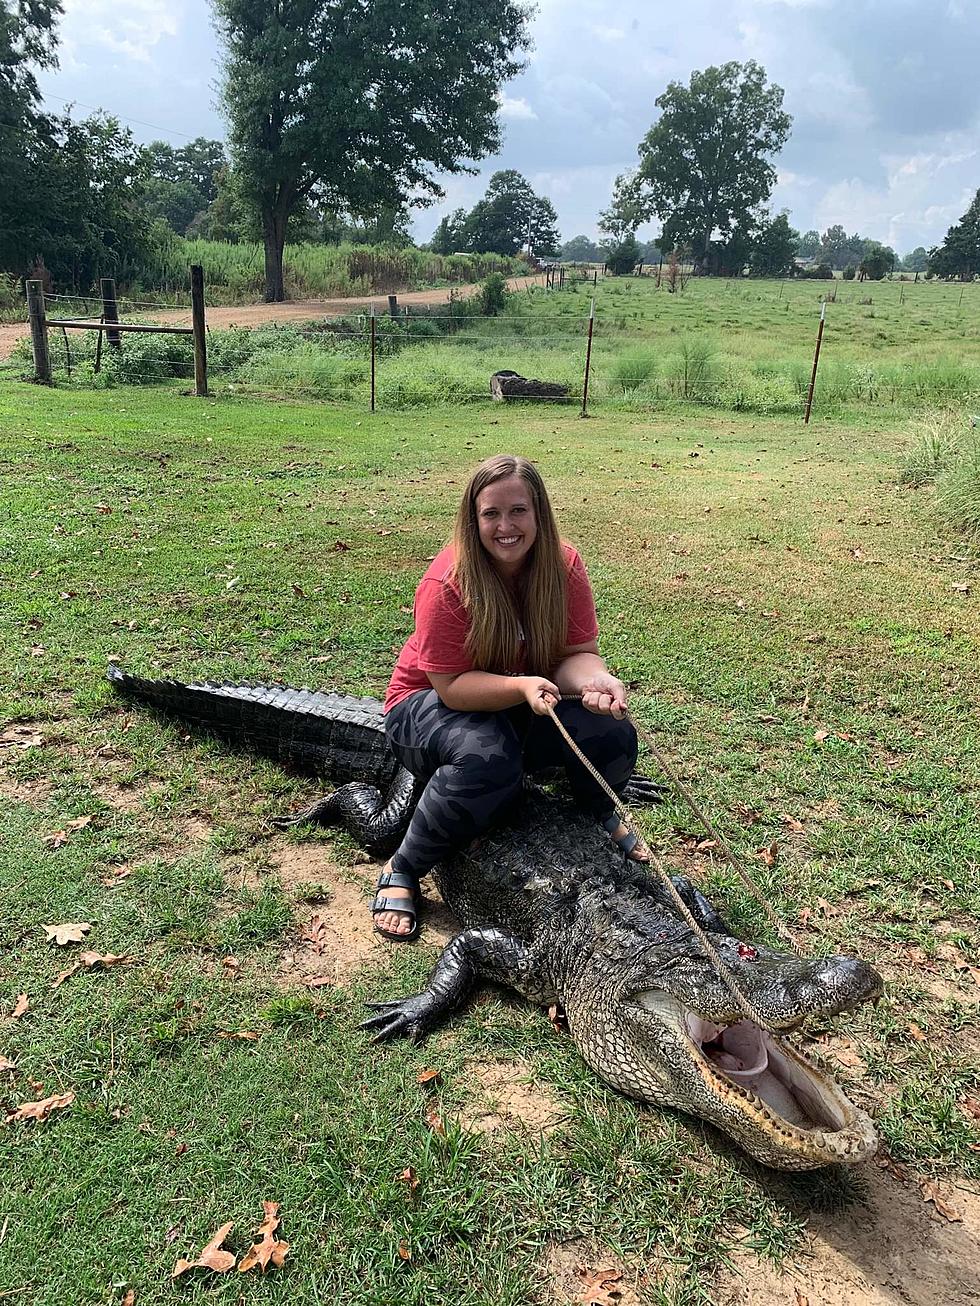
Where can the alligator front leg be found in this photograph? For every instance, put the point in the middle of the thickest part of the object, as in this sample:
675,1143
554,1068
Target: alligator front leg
478,954
376,822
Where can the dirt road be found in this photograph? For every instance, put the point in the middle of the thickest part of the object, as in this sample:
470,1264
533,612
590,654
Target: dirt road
294,310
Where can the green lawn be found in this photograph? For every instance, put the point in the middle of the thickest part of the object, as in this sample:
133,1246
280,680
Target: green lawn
759,584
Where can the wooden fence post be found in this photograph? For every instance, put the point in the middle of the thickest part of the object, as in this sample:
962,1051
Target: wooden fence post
39,332
393,305
588,361
110,311
200,331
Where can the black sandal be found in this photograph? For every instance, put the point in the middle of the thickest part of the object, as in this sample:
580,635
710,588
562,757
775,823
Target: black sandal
408,906
625,842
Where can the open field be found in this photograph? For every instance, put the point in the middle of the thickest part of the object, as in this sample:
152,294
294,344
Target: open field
802,642
739,346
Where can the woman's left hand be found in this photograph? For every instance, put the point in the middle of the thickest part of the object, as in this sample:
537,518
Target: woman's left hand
605,695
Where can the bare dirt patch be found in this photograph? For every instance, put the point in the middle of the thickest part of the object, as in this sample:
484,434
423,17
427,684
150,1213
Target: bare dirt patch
567,1268
334,937
508,1097
892,1249
32,793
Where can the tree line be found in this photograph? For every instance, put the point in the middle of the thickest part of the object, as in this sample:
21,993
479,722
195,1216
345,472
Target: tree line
342,113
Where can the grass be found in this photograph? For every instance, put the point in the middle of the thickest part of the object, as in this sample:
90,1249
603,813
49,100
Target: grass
744,346
758,583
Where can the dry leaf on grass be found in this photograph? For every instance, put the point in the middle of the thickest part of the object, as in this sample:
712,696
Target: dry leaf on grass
130,1298
599,1287
268,1250
211,1257
827,908
92,961
42,1109
404,1250
930,1193
67,932
409,1177
427,1076
246,1035
769,854
315,933
970,1107
435,1122
792,824
7,1064
21,1006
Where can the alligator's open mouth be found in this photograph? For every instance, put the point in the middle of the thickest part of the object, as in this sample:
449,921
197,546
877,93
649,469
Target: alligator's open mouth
800,1113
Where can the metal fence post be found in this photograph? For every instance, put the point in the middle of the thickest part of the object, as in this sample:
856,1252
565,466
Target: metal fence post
374,349
110,310
588,360
816,360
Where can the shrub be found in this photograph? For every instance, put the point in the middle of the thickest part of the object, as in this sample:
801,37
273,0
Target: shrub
623,258
691,373
958,491
850,272
632,368
493,295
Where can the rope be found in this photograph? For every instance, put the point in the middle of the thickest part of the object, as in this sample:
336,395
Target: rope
726,976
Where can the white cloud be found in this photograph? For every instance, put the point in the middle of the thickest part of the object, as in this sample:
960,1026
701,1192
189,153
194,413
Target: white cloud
514,106
133,30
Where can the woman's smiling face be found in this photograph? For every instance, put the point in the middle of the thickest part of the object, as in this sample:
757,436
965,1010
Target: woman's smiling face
505,520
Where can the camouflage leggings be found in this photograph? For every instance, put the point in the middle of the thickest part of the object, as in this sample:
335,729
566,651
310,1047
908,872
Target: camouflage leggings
474,764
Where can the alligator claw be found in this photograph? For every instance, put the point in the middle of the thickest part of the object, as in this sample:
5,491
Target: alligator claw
641,789
403,1018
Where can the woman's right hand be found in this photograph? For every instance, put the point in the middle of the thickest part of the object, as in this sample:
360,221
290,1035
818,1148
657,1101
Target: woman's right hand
540,694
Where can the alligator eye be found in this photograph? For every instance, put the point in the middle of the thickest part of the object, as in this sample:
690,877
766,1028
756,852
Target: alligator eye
747,952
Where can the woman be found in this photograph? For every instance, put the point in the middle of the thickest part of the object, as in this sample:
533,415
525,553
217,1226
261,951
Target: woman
505,624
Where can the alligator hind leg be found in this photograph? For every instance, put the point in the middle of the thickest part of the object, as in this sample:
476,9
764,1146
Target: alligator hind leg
377,823
478,954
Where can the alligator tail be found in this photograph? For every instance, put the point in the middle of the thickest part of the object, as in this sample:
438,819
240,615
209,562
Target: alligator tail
333,735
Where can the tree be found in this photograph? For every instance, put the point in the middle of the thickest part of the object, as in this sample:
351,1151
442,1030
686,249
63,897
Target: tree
629,208
774,248
838,249
447,237
359,102
809,244
623,256
509,217
581,250
916,260
959,254
877,260
28,42
705,164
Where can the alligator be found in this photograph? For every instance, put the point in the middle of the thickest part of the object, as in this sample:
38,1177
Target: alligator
549,907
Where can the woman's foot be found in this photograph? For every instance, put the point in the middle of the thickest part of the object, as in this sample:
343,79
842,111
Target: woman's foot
626,839
393,920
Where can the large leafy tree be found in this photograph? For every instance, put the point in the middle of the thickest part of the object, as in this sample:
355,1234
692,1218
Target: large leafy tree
509,217
28,39
775,247
182,182
706,164
358,103
959,254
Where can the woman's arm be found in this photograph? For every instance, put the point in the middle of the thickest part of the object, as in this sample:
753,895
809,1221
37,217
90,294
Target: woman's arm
582,671
483,691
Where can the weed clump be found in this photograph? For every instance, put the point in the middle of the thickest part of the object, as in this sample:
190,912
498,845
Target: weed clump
946,455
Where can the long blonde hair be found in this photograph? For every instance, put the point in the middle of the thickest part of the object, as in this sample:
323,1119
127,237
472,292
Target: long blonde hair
496,615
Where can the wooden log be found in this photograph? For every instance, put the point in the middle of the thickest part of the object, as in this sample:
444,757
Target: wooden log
200,331
511,385
39,332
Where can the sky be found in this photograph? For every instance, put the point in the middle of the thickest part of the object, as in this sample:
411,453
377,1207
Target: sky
884,96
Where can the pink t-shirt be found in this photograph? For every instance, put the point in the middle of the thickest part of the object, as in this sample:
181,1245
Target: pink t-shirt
438,643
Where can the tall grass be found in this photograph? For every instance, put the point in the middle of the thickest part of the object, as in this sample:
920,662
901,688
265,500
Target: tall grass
946,454
236,272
